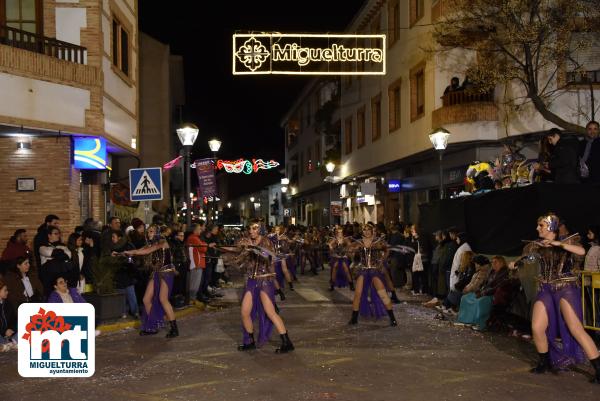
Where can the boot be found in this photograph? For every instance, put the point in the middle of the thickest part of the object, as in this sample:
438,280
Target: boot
393,321
291,286
286,344
394,298
250,346
351,286
331,286
596,364
147,332
281,294
543,364
354,319
174,331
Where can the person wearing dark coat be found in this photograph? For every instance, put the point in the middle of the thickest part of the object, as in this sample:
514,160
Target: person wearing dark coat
15,247
8,318
590,153
41,237
125,276
564,161
24,284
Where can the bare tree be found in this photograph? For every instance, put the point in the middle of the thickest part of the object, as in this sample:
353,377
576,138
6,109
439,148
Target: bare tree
530,43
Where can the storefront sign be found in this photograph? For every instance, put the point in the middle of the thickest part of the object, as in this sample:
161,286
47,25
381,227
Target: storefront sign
394,186
308,54
89,153
336,208
207,184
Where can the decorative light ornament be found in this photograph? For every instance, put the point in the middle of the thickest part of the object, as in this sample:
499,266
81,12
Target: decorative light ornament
245,166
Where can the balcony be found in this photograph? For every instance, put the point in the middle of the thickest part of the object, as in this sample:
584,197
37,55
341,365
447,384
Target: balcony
465,106
40,44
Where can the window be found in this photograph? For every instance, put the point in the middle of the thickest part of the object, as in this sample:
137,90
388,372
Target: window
348,136
376,118
25,15
583,65
393,22
417,10
417,92
360,128
394,105
120,47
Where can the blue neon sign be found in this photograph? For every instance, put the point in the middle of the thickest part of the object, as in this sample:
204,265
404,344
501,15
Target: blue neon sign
89,154
394,186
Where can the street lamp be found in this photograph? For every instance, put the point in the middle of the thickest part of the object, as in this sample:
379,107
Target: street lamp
214,145
439,140
330,167
187,134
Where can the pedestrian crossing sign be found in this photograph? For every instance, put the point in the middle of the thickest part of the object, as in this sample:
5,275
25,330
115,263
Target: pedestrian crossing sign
145,184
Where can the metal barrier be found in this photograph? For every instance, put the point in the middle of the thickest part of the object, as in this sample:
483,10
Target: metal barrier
590,299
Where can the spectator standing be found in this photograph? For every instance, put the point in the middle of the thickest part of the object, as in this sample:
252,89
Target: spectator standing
592,257
82,256
564,161
55,259
125,276
41,237
180,260
24,284
463,246
590,154
210,239
197,250
454,86
106,244
92,229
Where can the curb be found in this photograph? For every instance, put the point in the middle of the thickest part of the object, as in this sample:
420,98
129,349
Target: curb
134,324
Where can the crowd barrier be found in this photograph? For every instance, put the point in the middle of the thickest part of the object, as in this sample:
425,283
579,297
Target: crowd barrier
590,299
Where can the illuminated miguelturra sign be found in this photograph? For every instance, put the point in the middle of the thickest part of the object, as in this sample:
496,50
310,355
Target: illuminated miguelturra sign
310,54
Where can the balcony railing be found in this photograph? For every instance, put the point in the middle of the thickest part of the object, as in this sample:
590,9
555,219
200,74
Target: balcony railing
466,96
40,44
583,77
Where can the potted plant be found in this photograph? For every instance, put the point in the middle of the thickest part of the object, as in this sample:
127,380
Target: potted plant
105,298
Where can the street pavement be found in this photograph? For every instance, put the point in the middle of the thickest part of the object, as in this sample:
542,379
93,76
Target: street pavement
421,359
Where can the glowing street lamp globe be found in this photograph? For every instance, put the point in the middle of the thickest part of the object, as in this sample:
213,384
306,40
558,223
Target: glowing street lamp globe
330,167
214,145
283,189
187,134
252,199
439,138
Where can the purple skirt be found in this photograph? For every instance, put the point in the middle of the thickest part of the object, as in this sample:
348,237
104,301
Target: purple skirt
265,326
155,319
375,307
291,265
567,351
340,280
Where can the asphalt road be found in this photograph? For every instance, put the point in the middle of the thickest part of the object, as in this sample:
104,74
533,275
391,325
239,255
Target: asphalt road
421,359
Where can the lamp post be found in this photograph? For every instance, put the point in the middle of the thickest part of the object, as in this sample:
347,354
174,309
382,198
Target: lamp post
214,145
330,167
439,140
187,134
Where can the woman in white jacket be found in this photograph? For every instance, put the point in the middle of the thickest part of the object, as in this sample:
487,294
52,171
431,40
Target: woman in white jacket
461,239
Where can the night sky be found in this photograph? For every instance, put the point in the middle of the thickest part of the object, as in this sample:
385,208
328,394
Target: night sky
242,111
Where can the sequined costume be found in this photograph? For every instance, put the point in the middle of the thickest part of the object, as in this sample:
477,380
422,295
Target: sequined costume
257,262
556,281
282,252
161,268
338,256
371,266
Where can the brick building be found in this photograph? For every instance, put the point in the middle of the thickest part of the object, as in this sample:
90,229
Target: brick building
71,69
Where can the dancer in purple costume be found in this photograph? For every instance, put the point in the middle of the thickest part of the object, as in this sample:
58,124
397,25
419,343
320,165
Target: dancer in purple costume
557,311
370,297
281,245
339,261
257,257
156,298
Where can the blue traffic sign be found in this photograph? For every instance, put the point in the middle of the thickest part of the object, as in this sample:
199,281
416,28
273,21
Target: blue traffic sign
145,184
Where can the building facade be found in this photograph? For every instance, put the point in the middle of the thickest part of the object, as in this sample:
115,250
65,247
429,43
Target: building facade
387,164
71,69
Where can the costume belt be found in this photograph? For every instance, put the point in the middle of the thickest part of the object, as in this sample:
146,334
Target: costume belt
262,276
559,283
